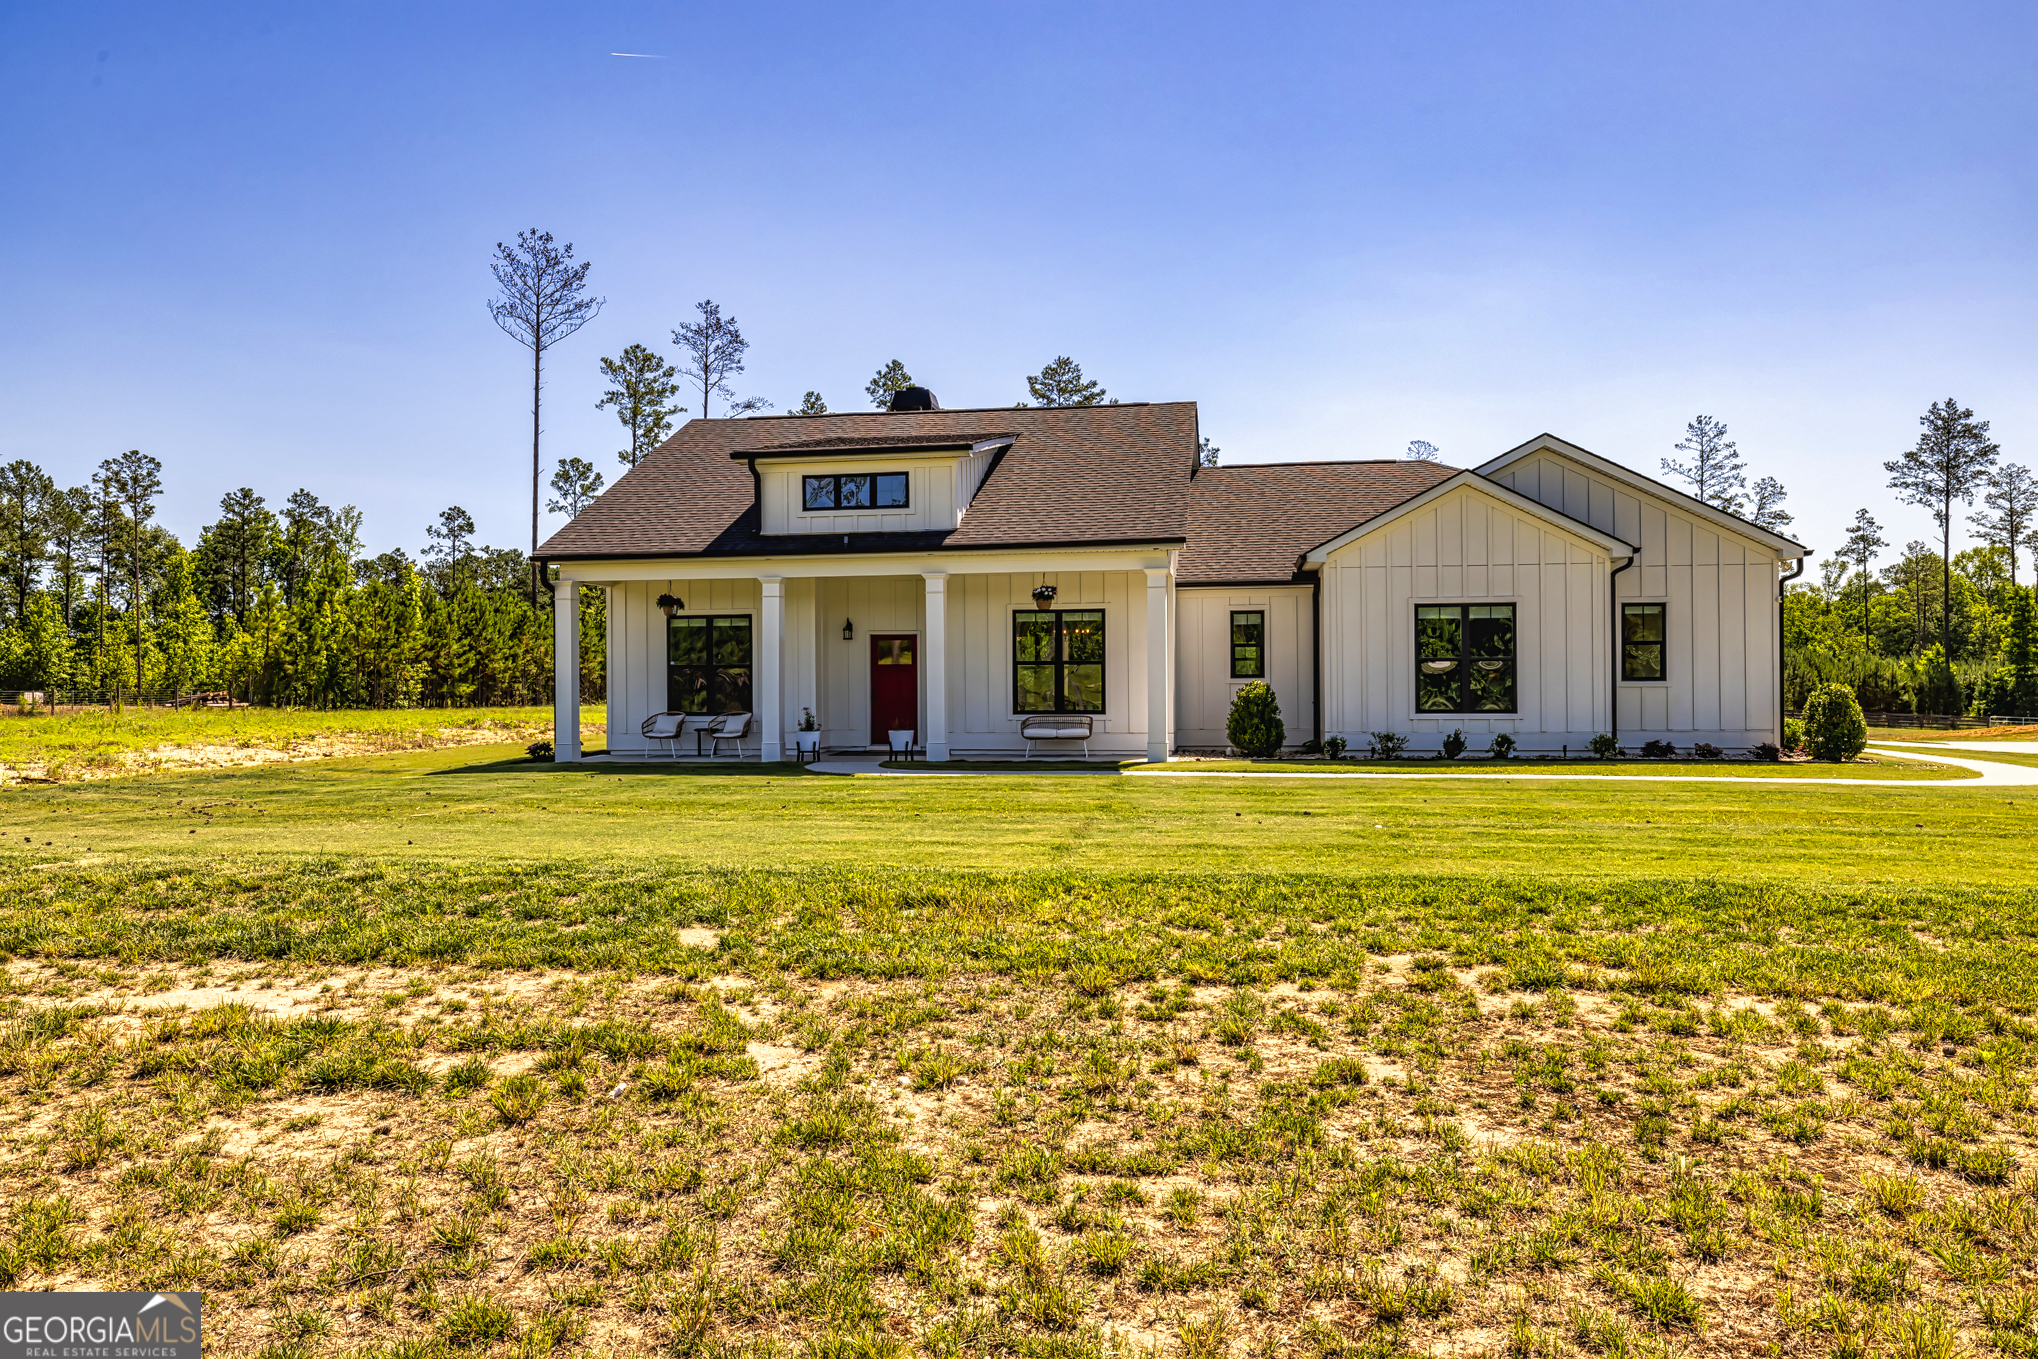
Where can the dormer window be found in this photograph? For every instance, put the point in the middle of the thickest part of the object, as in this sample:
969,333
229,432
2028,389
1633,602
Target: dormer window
854,491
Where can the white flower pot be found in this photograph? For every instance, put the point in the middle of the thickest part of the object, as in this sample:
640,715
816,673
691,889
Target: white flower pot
806,742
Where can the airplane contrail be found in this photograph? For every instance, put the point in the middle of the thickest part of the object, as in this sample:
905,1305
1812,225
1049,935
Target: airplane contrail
648,56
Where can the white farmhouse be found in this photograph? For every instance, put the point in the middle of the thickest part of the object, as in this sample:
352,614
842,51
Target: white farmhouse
955,573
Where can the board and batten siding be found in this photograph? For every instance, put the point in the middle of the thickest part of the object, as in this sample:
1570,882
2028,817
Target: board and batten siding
821,671
1720,657
1204,685
1467,547
636,649
980,716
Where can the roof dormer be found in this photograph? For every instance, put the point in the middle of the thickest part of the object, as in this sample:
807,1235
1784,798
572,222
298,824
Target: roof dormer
865,486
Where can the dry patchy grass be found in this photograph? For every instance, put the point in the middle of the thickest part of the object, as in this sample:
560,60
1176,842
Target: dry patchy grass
417,1161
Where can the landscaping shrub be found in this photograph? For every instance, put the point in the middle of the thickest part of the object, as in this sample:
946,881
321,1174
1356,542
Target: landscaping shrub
1833,725
1502,746
1386,745
1768,750
1454,744
1659,750
1706,750
1334,747
1255,723
539,750
1607,746
1793,735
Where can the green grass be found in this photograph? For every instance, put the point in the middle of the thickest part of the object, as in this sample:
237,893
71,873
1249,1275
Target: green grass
1879,766
72,744
477,804
443,1052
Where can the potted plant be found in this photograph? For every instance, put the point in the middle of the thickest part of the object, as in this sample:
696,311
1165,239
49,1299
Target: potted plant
807,738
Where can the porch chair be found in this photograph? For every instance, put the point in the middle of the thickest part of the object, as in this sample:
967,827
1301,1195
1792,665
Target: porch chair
666,727
1057,727
732,727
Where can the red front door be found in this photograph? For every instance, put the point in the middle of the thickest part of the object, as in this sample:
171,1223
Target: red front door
894,687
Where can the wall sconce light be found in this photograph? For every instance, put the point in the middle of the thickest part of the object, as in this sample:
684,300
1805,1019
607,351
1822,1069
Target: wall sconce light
672,604
1043,595
848,631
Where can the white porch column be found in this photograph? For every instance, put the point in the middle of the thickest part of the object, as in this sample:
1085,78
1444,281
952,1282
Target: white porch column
770,646
566,670
934,667
1158,647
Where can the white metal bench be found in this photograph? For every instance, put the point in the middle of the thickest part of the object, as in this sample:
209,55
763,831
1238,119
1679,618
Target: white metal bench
1057,727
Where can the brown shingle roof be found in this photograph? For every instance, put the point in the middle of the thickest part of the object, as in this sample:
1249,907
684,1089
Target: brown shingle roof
1252,523
1084,474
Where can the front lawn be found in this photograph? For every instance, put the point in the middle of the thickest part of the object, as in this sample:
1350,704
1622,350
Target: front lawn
440,1054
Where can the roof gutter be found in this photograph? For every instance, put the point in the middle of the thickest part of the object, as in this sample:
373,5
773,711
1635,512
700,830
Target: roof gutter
1782,588
1613,646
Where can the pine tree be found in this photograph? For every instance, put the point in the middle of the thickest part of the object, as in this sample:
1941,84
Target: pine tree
2008,503
1062,383
1716,473
641,392
891,378
1949,462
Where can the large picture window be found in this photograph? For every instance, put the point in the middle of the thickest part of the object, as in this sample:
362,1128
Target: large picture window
1058,661
708,663
858,491
1464,658
1248,644
1641,641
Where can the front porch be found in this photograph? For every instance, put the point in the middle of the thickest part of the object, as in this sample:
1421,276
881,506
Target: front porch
869,651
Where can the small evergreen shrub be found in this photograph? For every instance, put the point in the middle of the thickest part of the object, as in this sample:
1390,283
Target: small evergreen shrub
1502,746
539,750
1793,735
1255,722
1386,745
1607,746
1706,750
1334,747
1659,750
1454,744
1833,725
1768,750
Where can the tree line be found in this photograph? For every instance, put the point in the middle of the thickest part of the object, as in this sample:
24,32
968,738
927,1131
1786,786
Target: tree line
98,599
1934,630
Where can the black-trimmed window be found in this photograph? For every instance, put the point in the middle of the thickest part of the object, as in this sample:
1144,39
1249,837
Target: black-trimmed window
708,663
1058,661
1641,641
1464,658
1248,644
854,491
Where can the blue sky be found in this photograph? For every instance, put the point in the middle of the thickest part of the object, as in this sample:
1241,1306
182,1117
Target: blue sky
254,241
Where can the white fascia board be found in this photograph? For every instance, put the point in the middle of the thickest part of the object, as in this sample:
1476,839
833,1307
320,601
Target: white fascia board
1786,549
1158,556
1535,509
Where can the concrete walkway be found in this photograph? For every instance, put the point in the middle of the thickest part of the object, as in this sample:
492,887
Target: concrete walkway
1992,775
2013,747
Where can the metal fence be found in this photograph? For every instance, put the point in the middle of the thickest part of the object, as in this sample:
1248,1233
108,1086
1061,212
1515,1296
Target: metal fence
46,700
1933,721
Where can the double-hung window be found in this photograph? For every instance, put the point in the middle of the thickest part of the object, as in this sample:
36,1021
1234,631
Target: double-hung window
1641,641
1058,661
1464,658
708,663
1248,644
854,491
